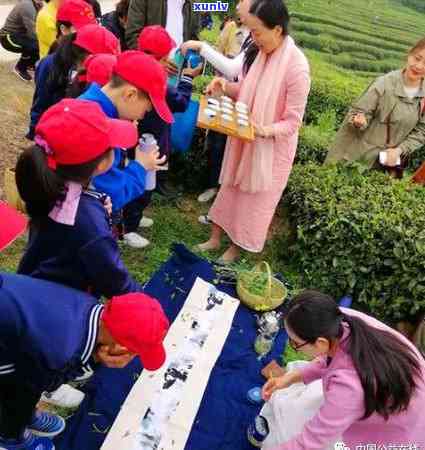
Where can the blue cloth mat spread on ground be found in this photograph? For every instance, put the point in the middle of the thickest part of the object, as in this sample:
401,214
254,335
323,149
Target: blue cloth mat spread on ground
224,413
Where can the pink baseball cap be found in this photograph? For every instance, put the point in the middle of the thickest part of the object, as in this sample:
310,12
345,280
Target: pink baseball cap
147,74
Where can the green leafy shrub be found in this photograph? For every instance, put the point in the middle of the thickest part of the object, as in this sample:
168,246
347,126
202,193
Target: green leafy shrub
190,169
360,233
315,139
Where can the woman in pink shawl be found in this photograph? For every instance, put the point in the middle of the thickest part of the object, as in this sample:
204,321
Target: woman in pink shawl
254,174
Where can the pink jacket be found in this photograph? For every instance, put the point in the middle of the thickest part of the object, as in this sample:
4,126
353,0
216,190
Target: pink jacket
343,408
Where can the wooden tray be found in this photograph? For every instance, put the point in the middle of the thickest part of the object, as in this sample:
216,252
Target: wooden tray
216,124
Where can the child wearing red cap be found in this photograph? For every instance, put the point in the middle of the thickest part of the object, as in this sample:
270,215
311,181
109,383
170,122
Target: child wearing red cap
70,236
41,348
156,41
71,16
96,69
138,84
54,72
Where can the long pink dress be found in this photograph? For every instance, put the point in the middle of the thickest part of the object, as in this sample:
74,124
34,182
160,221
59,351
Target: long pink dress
244,216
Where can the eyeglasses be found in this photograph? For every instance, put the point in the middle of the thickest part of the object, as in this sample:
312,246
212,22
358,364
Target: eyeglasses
296,346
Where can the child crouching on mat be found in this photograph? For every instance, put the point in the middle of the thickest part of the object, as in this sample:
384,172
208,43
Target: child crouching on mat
49,333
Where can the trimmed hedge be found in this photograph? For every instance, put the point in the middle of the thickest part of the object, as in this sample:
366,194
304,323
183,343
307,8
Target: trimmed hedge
360,233
332,89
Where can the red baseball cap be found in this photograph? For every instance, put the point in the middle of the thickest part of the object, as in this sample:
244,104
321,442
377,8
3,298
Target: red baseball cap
155,41
78,131
96,39
147,74
77,12
12,224
99,68
137,322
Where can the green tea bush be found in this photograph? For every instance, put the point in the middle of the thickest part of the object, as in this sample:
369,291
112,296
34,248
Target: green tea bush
360,233
347,61
356,32
190,169
346,37
315,139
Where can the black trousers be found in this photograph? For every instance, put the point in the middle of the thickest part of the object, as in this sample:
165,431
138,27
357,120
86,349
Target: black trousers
17,406
215,145
133,212
26,46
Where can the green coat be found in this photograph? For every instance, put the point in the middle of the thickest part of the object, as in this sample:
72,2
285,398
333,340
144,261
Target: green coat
393,120
142,13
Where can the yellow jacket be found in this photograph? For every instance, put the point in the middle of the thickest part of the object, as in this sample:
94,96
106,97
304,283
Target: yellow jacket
45,27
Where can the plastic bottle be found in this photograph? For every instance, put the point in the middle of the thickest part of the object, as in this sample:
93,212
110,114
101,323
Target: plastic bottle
147,143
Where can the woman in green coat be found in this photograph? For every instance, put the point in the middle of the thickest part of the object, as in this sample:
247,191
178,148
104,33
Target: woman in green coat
386,118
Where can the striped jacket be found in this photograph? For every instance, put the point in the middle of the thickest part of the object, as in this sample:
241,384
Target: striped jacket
48,332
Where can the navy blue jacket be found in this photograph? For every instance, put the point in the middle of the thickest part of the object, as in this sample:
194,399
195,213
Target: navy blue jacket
178,101
111,22
47,331
46,93
122,184
84,256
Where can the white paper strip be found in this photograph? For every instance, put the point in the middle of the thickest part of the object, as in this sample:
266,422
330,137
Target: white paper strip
160,409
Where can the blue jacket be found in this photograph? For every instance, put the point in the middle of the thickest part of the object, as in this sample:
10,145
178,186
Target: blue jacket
47,331
46,93
177,100
84,256
122,184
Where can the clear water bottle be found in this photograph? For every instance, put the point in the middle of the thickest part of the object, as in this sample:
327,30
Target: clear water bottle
147,143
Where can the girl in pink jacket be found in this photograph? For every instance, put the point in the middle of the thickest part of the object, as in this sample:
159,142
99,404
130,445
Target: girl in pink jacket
373,379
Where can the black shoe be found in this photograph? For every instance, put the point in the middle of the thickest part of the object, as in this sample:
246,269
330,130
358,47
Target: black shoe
166,190
22,74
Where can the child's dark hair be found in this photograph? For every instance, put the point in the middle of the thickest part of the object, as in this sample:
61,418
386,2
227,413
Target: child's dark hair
60,23
122,8
78,85
117,82
40,187
388,368
66,57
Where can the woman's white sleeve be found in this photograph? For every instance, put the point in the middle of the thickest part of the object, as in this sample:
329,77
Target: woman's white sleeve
229,67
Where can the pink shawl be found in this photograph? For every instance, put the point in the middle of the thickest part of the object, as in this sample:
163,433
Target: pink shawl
249,165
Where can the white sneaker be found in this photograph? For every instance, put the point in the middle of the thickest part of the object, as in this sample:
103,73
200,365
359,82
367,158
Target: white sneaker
66,397
146,222
208,195
204,219
134,240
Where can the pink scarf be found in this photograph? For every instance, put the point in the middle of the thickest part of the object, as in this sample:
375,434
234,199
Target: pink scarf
249,165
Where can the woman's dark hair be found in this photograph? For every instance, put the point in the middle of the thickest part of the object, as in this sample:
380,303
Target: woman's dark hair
40,187
387,367
122,8
272,13
251,52
66,57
